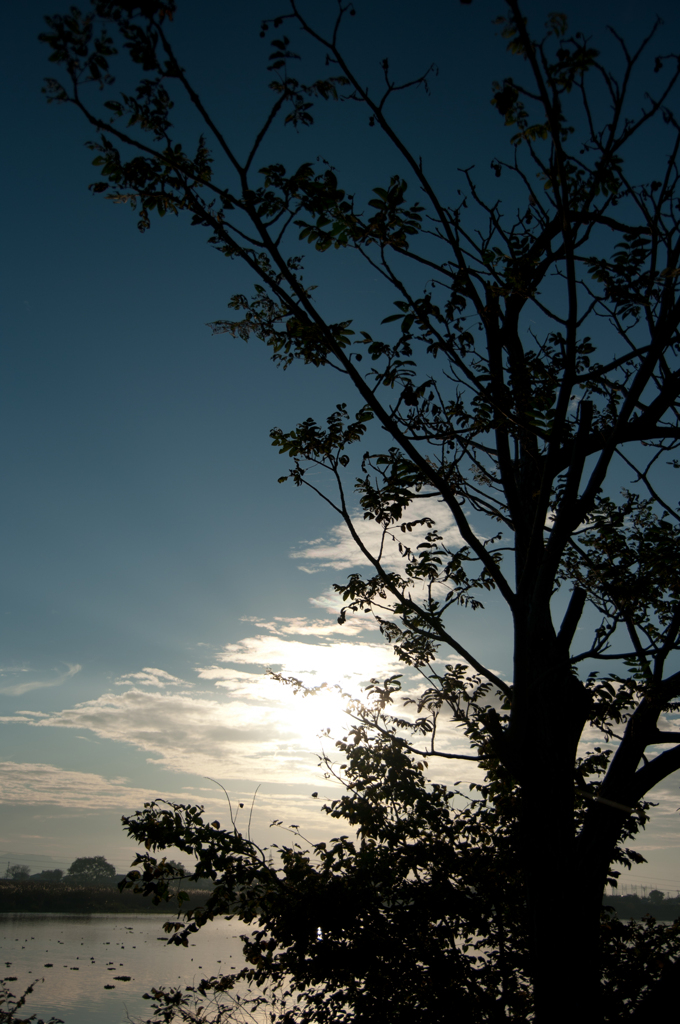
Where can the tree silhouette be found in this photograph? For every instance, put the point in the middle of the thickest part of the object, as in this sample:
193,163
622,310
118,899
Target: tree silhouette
18,872
526,381
90,871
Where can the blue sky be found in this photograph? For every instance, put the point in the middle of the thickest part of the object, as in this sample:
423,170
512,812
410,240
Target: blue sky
152,566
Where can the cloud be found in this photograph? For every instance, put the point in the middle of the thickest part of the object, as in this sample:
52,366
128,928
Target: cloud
235,739
331,603
44,784
341,552
336,662
250,727
151,677
20,688
301,626
254,728
667,799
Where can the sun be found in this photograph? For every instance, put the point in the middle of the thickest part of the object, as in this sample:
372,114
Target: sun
332,674
312,714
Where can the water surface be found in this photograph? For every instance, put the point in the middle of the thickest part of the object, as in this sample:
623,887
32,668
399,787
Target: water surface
96,968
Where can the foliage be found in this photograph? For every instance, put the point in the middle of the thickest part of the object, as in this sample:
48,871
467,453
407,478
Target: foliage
90,871
526,380
17,872
339,921
51,875
642,966
11,1004
179,868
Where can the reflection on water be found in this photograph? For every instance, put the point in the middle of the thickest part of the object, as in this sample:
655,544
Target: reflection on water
97,968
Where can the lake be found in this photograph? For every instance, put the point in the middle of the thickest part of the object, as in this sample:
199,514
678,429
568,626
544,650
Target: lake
96,968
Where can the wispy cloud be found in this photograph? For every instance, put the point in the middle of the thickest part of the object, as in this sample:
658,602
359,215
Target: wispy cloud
301,626
46,784
331,603
20,688
151,677
339,550
223,738
251,727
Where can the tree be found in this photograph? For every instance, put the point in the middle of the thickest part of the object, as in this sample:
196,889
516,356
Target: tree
52,875
526,379
179,869
18,872
90,871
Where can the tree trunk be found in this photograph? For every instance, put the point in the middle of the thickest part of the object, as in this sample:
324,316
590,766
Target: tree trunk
549,711
564,947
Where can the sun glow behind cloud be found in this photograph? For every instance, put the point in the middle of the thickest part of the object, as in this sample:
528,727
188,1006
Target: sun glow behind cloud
236,721
237,724
233,721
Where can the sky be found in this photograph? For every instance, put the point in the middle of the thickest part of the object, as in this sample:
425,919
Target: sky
153,569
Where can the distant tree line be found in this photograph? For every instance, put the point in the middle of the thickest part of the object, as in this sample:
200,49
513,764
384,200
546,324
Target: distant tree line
83,871
657,905
98,875
88,887
39,897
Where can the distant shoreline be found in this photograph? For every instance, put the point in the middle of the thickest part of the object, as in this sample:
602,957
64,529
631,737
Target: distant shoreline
637,907
62,898
27,897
